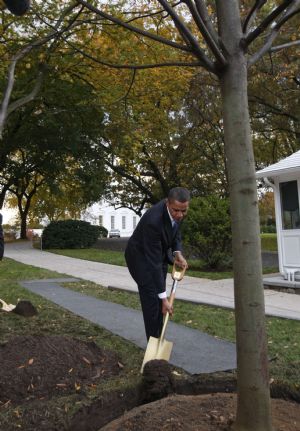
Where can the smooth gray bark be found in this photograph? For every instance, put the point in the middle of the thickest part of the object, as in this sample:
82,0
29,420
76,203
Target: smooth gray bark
254,409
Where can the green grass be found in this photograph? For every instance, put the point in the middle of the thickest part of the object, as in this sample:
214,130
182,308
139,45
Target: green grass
283,334
196,266
268,241
54,320
117,258
283,338
94,255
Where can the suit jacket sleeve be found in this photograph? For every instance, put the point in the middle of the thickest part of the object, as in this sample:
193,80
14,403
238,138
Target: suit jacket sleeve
154,256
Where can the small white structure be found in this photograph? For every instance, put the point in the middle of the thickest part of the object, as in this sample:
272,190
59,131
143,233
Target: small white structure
284,178
104,214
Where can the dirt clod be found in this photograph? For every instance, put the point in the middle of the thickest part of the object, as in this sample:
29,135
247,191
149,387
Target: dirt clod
25,309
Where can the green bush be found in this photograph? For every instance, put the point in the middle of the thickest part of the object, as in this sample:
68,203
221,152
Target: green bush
103,232
70,234
266,228
207,233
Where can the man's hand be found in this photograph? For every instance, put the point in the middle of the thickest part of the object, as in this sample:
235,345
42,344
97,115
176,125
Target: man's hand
166,307
180,260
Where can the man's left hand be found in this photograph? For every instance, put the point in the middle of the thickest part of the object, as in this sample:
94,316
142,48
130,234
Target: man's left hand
180,260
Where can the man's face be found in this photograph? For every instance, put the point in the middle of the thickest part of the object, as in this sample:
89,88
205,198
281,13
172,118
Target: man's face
178,210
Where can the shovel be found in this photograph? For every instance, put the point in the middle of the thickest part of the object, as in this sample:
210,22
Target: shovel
159,348
6,307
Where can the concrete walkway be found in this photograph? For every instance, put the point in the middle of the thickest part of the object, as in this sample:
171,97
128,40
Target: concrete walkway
198,290
193,351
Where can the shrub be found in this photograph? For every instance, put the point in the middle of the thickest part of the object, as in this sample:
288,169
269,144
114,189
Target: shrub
268,228
70,234
207,233
103,232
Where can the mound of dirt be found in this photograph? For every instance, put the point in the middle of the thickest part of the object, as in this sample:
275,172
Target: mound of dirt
43,366
213,412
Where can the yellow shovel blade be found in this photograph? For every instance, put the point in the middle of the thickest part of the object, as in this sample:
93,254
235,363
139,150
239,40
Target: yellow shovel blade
157,349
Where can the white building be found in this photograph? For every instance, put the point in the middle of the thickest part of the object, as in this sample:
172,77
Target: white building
284,178
104,214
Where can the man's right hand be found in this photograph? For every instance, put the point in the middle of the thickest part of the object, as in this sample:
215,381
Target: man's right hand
166,307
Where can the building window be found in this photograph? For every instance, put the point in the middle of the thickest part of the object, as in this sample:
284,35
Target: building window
112,222
101,220
123,222
134,222
290,205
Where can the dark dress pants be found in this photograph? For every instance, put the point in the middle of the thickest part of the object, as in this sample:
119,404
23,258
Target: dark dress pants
151,308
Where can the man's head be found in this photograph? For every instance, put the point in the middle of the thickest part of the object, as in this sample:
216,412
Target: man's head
16,7
178,202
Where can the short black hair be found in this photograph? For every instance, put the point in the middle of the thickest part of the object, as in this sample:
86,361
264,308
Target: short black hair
180,194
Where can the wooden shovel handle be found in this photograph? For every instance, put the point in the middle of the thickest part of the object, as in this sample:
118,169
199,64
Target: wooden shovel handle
177,272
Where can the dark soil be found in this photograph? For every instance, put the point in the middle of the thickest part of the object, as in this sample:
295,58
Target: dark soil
214,412
43,367
37,369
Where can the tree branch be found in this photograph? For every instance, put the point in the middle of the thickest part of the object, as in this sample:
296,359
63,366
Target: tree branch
252,14
132,66
29,97
5,109
202,10
133,28
183,29
266,22
274,33
212,44
285,45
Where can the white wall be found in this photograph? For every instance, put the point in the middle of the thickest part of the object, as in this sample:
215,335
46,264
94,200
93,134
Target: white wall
123,219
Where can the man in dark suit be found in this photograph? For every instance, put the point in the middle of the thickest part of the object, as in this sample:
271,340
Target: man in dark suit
153,244
1,239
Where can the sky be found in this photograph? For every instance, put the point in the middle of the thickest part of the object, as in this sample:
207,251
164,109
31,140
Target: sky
8,215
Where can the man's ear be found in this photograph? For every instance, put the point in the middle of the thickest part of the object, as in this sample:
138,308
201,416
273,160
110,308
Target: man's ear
16,7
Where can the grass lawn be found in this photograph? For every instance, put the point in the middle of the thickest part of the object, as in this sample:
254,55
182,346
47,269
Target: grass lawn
53,320
283,335
117,258
268,241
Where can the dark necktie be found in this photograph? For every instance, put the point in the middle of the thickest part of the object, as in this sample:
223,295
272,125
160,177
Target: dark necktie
174,227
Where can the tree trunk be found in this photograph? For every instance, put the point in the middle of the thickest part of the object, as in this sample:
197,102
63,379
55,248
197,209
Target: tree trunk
253,409
23,212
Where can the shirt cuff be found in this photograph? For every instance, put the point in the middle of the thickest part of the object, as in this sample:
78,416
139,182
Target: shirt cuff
162,295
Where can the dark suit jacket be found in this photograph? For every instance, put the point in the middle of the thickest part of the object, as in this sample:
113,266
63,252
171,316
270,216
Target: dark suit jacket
1,239
150,245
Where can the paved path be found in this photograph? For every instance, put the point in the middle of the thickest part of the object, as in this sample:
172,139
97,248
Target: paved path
194,351
198,290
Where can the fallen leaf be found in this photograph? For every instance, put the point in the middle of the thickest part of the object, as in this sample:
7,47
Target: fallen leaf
77,386
30,362
120,365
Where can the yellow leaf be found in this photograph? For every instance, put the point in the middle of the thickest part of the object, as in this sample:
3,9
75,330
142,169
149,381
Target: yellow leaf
77,386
